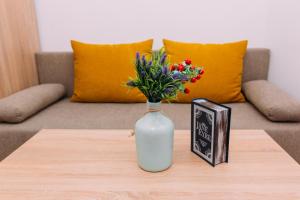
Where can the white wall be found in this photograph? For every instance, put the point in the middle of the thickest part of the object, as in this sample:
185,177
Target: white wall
113,21
120,21
283,38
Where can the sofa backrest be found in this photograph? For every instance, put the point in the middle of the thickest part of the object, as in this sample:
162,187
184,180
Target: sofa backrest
57,67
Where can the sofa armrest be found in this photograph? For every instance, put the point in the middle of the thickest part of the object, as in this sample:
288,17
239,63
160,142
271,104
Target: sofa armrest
274,103
23,104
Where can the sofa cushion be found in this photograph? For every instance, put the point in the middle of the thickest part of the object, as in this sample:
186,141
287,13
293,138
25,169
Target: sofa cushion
21,105
273,102
223,65
101,71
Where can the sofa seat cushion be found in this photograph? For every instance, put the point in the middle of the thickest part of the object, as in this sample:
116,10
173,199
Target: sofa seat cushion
71,115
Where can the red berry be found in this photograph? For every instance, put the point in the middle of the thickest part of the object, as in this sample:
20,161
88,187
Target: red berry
193,67
188,61
172,68
186,91
202,72
180,68
198,77
193,80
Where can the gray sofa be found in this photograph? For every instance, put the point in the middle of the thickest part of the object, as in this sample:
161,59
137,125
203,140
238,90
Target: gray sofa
58,68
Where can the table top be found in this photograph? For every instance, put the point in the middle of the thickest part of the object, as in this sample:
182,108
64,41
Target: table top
101,164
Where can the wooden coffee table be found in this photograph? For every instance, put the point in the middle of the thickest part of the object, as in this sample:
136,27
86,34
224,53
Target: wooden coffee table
101,164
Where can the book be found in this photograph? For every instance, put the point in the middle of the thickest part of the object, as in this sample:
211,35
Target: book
210,131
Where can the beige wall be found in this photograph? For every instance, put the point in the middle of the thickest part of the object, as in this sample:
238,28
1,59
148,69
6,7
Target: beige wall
18,42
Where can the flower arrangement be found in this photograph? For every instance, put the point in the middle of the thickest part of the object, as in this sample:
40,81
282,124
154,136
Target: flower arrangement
158,80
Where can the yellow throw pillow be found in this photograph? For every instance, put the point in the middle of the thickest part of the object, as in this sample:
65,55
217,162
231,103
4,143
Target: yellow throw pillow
101,71
223,66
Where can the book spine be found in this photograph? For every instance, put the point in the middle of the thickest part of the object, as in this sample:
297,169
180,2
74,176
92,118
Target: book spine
221,126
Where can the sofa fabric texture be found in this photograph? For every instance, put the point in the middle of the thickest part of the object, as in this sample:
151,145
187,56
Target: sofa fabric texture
223,66
274,103
21,105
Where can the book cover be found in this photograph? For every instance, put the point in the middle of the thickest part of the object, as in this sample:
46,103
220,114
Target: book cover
210,131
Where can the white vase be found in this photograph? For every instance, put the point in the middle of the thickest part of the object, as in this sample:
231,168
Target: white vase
154,135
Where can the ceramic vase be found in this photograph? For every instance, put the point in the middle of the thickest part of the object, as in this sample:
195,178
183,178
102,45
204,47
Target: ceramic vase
154,134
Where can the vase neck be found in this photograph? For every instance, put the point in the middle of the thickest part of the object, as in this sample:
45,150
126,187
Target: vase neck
153,107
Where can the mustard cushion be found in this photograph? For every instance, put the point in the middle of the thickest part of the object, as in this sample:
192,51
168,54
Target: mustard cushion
223,66
101,71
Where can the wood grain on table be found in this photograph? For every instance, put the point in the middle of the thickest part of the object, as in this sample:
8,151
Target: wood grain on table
101,164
